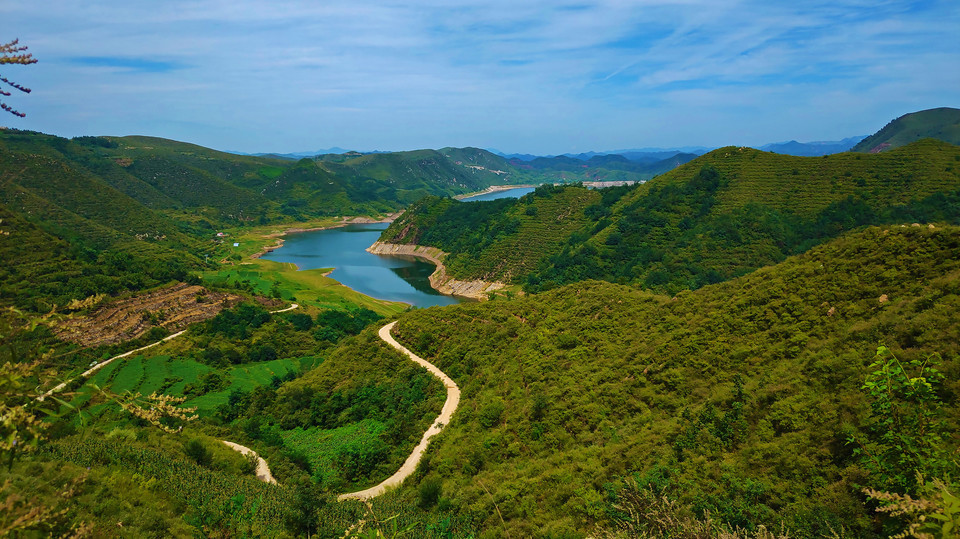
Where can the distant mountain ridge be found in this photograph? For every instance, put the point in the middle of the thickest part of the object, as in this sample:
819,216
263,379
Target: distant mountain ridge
650,155
296,155
941,123
812,149
639,155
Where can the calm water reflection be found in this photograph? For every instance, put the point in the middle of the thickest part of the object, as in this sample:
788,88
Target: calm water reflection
394,278
391,278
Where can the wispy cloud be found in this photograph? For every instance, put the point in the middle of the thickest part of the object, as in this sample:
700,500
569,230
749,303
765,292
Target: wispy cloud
530,76
126,65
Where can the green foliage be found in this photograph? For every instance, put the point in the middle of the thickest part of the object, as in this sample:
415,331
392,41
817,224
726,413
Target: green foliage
498,239
355,462
768,366
20,429
238,322
308,502
907,428
198,452
232,518
333,325
934,512
321,447
300,321
491,413
430,491
728,429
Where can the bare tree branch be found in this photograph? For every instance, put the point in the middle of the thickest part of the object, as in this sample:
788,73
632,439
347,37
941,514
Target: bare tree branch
13,53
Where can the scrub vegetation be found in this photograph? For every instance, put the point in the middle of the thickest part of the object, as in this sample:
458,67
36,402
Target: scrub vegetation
747,346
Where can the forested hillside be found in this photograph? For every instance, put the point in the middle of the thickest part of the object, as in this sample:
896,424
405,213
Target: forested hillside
104,215
722,215
742,399
493,240
609,167
475,168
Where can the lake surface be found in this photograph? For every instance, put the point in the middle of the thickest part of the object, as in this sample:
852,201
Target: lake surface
506,193
391,278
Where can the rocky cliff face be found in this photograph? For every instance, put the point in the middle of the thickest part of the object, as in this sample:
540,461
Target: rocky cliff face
439,280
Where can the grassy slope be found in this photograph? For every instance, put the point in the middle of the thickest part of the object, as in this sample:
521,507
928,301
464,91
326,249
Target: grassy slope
308,288
941,123
566,391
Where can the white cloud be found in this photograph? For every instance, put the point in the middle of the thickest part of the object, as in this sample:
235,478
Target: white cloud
531,76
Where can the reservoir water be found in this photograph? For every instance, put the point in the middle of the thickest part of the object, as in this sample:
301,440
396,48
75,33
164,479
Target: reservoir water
506,193
393,278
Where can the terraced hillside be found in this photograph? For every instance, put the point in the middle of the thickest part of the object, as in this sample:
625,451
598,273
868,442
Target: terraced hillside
722,215
172,308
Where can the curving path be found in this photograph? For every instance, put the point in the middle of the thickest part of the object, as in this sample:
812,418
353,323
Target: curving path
409,466
290,308
102,364
263,471
449,407
98,366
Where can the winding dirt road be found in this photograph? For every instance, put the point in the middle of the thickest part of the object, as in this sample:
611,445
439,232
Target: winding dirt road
409,466
263,471
449,407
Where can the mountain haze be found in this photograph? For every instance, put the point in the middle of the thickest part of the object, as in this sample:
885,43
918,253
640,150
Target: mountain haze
812,148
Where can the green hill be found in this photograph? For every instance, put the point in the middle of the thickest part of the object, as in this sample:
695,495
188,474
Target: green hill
609,167
110,214
495,240
737,399
719,216
473,169
941,123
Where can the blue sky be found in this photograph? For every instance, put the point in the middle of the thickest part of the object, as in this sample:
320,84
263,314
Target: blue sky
536,76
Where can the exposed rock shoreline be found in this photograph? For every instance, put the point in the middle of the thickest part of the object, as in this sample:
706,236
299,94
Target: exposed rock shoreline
439,279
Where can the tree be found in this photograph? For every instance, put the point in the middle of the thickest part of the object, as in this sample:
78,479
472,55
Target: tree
906,434
13,53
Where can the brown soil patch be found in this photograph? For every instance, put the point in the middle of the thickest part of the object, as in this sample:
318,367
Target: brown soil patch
172,308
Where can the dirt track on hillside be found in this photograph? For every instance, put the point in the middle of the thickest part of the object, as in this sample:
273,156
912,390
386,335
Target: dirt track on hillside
263,471
449,407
